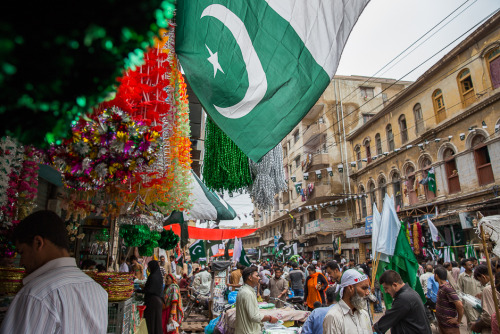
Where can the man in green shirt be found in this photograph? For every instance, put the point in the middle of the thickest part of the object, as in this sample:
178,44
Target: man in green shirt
248,318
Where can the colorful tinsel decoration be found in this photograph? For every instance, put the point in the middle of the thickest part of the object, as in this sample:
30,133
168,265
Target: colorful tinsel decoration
104,150
225,166
416,239
134,235
168,240
148,248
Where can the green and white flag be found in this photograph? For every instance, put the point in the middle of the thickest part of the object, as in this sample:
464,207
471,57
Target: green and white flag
259,66
244,259
431,180
197,251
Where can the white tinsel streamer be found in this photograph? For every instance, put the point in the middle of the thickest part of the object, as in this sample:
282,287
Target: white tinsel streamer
268,178
11,158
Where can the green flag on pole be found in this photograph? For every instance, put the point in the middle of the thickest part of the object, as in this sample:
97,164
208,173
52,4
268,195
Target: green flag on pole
259,66
431,180
244,259
197,251
405,264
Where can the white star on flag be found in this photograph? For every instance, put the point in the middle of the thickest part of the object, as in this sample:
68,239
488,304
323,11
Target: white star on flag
214,60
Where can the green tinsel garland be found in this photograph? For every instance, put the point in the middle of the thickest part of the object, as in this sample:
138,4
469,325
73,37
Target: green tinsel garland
134,235
225,166
148,248
168,240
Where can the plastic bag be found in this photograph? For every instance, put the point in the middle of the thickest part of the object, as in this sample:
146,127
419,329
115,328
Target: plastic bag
172,326
211,325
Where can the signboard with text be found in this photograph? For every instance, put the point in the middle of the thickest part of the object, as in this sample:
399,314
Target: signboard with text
368,225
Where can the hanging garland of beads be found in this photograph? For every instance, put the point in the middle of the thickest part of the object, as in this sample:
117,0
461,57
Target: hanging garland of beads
225,166
168,240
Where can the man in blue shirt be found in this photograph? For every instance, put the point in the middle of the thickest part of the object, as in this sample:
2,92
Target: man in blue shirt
432,289
314,323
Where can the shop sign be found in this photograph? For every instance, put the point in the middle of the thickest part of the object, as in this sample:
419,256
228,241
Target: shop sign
355,233
466,219
368,225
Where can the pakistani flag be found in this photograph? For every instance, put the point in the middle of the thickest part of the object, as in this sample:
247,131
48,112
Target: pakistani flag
291,250
197,251
431,180
244,259
259,66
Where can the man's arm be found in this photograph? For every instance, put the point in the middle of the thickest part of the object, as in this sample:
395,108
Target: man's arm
307,328
399,310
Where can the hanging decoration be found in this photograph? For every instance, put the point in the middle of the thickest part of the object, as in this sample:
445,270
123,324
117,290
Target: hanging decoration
72,228
104,150
268,178
148,248
134,235
168,240
226,167
416,239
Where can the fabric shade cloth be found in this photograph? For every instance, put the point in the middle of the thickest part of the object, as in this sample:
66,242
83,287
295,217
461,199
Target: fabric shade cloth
212,233
221,253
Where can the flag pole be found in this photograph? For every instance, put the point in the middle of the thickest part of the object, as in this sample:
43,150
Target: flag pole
490,272
374,274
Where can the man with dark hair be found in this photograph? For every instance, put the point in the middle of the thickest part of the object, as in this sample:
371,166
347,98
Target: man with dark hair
484,322
351,265
314,322
333,271
123,265
407,314
248,318
57,297
297,279
278,286
137,268
449,308
469,285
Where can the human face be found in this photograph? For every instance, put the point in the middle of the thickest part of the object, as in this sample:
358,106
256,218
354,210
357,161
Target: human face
168,280
253,280
391,289
334,274
162,260
310,272
30,258
278,274
363,288
468,266
483,279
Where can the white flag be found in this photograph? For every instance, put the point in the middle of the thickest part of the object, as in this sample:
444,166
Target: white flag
434,230
389,228
237,249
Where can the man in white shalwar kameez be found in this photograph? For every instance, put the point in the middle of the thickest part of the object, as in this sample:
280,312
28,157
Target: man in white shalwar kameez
349,314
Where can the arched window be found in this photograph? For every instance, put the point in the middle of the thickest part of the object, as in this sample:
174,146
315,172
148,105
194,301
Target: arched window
425,165
390,137
363,202
439,109
419,119
378,144
493,60
396,189
482,160
383,190
403,128
466,88
357,151
373,196
451,171
366,144
410,185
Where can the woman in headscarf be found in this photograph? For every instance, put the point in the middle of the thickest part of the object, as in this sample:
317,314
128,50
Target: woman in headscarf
314,288
153,299
173,306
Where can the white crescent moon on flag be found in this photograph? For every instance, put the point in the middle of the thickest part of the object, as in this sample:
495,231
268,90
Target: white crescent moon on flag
257,81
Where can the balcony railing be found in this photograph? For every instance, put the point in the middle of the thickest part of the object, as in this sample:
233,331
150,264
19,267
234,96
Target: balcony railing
313,132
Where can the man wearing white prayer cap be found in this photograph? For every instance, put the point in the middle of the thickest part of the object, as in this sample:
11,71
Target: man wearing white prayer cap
349,314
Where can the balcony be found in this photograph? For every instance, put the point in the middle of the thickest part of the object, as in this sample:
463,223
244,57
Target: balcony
316,161
312,134
265,242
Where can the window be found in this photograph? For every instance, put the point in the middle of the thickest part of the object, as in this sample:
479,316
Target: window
425,165
312,216
373,196
403,129
366,92
450,166
285,152
383,190
419,120
378,144
396,189
297,161
390,137
296,136
363,202
410,185
366,117
482,161
368,152
493,59
357,151
466,88
439,109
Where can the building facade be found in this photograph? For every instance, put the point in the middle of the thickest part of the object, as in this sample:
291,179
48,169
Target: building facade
319,203
446,123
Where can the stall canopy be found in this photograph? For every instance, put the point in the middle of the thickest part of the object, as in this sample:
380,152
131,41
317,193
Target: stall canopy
212,233
207,204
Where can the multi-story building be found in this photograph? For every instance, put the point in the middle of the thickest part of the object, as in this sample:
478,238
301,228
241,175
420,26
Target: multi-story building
448,121
319,201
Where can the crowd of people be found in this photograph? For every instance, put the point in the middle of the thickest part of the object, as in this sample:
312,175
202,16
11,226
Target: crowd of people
339,295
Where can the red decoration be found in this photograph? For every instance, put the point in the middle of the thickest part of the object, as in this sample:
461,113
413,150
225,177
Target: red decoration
211,233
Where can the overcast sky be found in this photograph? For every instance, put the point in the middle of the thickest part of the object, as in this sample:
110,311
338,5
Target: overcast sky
385,29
